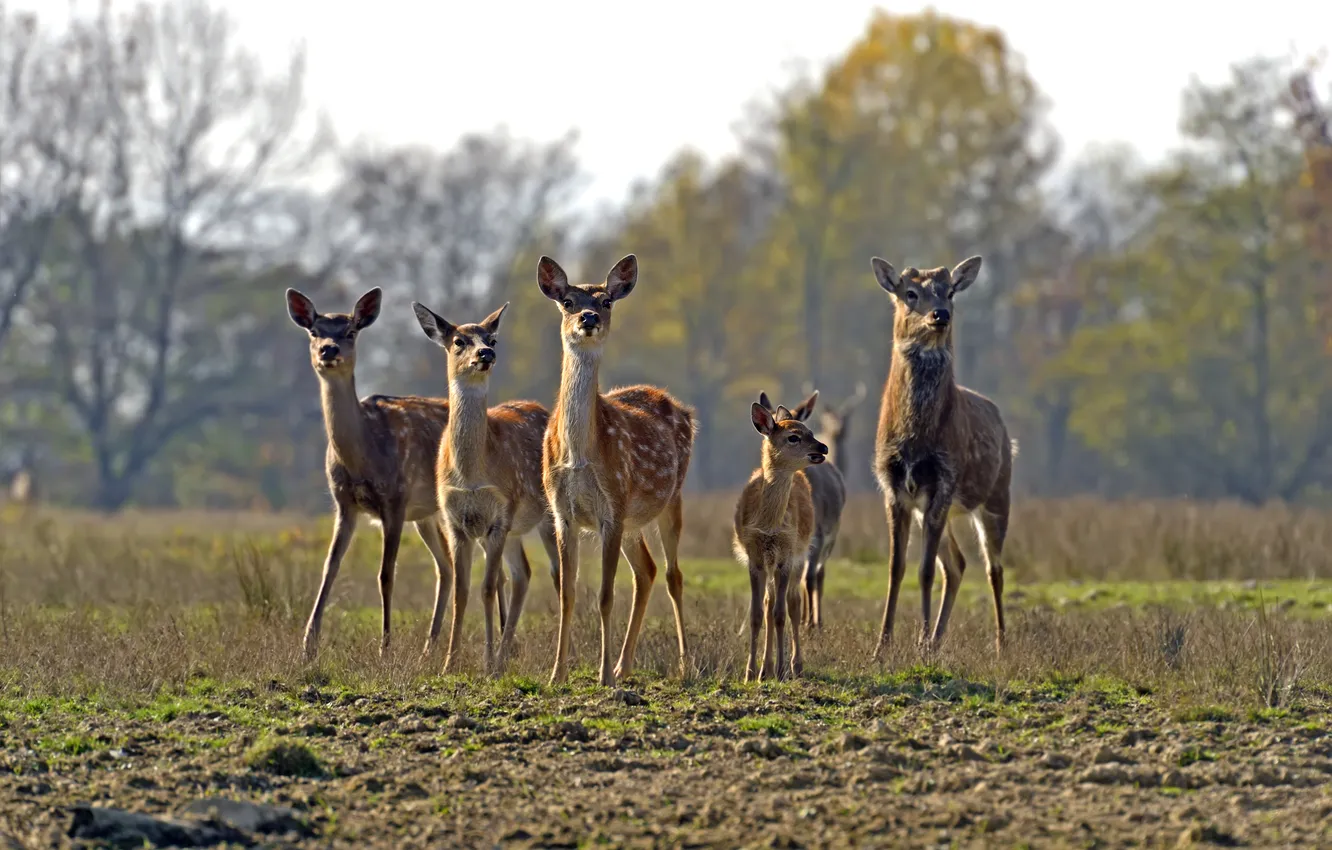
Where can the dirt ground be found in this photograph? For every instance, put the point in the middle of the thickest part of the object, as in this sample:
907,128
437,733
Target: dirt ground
919,759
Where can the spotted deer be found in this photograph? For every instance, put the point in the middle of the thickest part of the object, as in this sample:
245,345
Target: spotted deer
380,460
828,490
612,463
942,453
774,521
488,478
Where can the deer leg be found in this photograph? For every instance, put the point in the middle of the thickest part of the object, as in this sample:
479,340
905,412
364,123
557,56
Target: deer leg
671,524
546,530
501,603
793,600
932,522
461,546
612,534
344,528
392,527
490,587
899,532
432,535
808,581
953,564
769,628
521,572
992,529
567,537
638,555
756,604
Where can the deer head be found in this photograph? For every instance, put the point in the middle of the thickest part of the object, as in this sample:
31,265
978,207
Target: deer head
333,336
585,316
788,444
924,299
470,348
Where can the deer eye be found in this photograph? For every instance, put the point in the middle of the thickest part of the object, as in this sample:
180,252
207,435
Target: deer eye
911,295
459,342
606,305
568,303
794,438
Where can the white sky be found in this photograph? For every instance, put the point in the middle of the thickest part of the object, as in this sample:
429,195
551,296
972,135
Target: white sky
639,79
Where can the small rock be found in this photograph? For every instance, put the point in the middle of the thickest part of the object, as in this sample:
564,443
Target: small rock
946,741
250,817
1105,755
570,730
462,721
1174,779
627,697
879,728
1055,761
850,742
966,753
1105,774
763,747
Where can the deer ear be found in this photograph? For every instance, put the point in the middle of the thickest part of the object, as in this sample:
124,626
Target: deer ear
622,277
965,272
762,419
551,278
781,414
435,326
367,309
492,322
806,407
763,400
885,274
301,309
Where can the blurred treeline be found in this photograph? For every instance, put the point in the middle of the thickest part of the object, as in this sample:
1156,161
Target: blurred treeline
1149,331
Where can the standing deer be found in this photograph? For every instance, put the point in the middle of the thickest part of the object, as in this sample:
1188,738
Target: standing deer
380,460
612,463
774,521
828,490
942,451
488,478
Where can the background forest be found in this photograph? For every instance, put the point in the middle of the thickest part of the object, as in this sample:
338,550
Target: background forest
1149,331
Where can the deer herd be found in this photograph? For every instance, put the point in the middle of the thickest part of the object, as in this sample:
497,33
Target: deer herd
614,463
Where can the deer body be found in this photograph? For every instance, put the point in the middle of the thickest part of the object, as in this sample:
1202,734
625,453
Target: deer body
379,461
488,480
774,521
943,454
612,463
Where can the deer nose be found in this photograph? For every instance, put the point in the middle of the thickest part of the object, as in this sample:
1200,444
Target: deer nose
328,352
486,355
589,319
940,318
822,447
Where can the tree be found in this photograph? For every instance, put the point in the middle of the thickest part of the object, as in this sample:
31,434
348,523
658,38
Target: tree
176,143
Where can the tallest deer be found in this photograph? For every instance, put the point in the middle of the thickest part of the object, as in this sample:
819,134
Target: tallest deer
611,463
942,450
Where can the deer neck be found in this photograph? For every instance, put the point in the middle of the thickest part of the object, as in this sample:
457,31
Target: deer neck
773,497
467,431
345,423
836,449
576,406
920,385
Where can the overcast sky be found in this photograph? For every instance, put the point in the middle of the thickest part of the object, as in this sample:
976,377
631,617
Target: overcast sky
641,79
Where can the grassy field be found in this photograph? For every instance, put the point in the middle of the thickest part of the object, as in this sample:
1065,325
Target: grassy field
151,661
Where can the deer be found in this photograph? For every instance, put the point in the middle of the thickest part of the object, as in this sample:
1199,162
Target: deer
828,490
834,424
488,479
380,461
612,463
942,452
774,521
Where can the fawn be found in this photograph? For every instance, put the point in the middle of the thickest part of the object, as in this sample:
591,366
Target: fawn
488,478
942,452
611,463
380,459
828,490
774,521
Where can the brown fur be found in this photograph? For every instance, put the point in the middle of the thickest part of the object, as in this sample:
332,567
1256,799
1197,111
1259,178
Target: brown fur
612,463
488,474
380,459
942,450
774,521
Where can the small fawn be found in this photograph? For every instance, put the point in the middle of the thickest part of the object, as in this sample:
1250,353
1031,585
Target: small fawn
942,451
612,463
488,478
774,521
380,459
828,490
